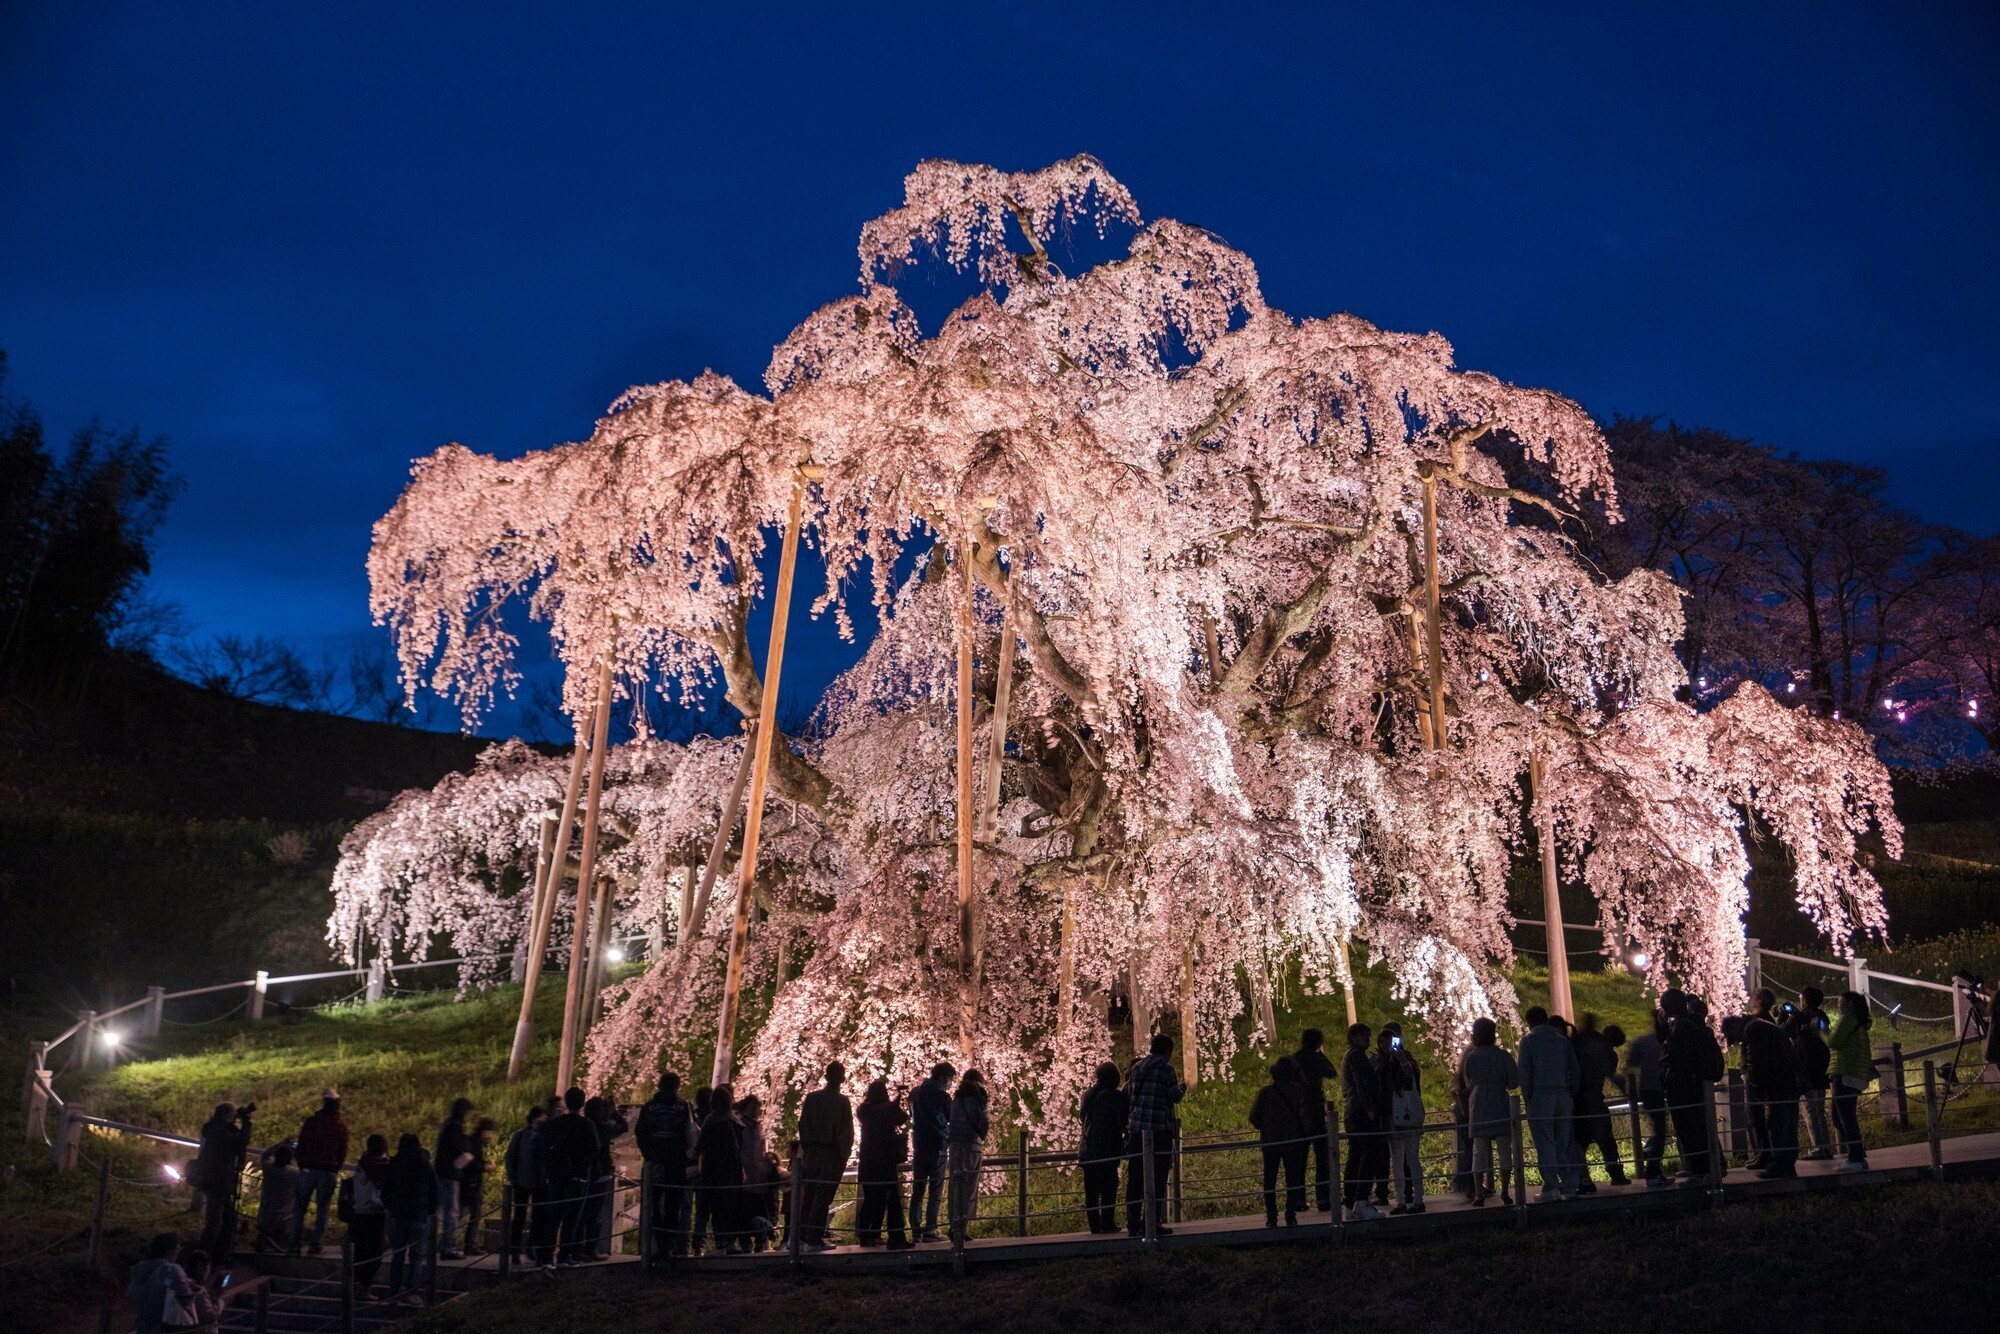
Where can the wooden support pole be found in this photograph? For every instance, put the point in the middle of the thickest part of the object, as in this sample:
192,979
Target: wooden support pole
97,1213
1932,1130
156,1009
260,986
538,899
968,984
760,777
1545,835
1142,1013
586,875
996,740
600,944
546,895
1066,960
1347,966
1433,612
1190,1066
697,909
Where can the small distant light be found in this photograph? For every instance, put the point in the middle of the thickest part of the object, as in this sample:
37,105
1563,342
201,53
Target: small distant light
1640,958
110,1037
1701,681
1482,673
1791,687
171,1172
1836,715
615,955
1973,708
1888,703
1902,715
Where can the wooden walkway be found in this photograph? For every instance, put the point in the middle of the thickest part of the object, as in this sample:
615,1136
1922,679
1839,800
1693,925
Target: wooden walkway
1965,1157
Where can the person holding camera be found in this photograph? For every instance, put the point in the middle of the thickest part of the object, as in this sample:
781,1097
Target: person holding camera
217,1168
1367,1126
885,1147
1403,1087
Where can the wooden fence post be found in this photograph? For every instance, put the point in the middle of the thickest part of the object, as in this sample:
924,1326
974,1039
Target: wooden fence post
378,980
97,1212
1857,975
1736,1099
1638,1140
34,1095
69,1140
258,987
156,1007
1753,968
1333,1168
1175,1174
1021,1201
1716,1170
506,1262
1518,1124
795,1232
1148,1177
1931,1126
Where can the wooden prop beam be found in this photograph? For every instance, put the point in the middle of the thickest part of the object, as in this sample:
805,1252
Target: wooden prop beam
586,871
996,741
1190,1066
760,778
546,893
1347,966
697,911
968,994
600,942
1433,612
1560,1001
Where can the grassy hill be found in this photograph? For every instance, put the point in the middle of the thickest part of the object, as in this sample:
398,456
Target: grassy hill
155,832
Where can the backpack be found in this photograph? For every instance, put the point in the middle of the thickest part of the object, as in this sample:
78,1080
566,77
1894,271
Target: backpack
1712,1068
343,1200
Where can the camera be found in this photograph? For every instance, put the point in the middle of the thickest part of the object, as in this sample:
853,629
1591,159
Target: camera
246,1111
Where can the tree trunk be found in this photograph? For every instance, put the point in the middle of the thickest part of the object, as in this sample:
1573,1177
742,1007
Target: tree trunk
968,997
547,893
1433,613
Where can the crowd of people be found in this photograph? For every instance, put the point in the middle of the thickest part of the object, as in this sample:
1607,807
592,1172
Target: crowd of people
713,1184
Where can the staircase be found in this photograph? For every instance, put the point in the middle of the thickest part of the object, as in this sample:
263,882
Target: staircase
302,1296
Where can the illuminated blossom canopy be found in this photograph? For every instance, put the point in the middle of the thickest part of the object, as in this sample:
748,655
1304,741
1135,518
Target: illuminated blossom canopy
1207,517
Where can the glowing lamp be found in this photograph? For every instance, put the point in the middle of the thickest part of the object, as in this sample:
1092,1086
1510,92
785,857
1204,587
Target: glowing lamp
110,1038
171,1172
614,954
1640,958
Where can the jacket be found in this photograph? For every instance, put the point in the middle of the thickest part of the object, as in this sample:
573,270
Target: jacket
665,1125
1361,1091
1484,1076
147,1289
1104,1113
721,1149
371,1179
1547,1063
756,1167
452,1144
930,1117
526,1160
969,1122
1279,1113
569,1147
412,1192
884,1144
1646,1058
1596,1061
1692,1058
826,1123
1154,1089
1809,1044
1402,1088
1770,1065
1853,1057
608,1127
1317,1070
322,1142
216,1163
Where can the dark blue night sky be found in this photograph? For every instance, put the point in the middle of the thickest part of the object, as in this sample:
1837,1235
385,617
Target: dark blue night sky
310,242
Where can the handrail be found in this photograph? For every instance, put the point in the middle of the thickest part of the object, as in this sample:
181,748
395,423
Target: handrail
1902,981
1827,964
